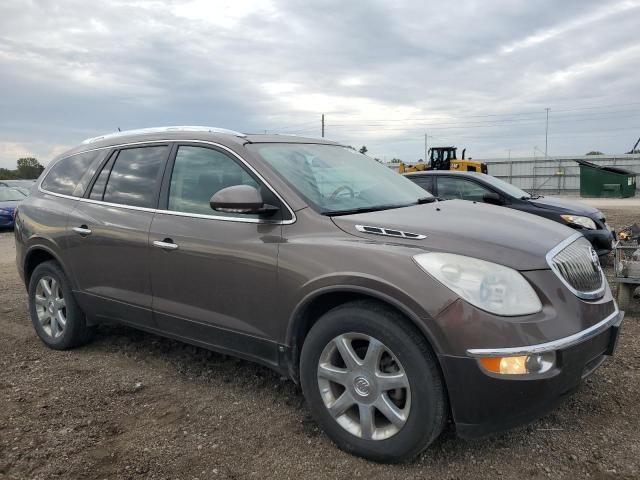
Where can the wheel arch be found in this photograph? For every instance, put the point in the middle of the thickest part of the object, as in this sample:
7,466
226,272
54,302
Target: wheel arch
314,305
37,254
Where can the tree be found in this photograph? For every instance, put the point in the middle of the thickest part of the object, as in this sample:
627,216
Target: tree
28,168
6,174
595,152
363,150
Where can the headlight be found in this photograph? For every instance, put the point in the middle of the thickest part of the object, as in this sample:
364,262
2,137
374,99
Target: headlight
584,222
489,286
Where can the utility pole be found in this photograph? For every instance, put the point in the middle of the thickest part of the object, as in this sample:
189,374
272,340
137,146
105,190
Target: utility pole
546,134
323,125
425,147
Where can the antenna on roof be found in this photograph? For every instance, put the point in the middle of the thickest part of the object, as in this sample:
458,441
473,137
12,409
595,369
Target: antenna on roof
119,129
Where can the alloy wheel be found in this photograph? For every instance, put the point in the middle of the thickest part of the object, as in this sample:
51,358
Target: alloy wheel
363,386
50,306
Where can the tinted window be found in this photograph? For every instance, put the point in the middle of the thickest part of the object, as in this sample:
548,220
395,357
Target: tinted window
134,176
97,191
66,174
424,182
460,188
197,174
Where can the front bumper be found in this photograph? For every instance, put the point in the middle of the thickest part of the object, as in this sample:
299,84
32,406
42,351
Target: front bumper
602,240
484,403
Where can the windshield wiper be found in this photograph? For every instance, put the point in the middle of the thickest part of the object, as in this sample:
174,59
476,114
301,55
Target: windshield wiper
424,200
351,211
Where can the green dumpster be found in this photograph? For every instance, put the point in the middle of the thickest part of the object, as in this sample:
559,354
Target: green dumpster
605,181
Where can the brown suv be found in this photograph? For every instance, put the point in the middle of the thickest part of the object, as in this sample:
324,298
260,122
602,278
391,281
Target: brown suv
393,311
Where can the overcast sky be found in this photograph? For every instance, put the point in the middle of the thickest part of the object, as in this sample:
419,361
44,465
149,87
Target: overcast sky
476,74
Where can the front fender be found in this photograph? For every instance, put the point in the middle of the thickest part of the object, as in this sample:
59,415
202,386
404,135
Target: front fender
361,285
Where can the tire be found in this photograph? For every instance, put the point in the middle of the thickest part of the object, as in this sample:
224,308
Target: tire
50,327
323,371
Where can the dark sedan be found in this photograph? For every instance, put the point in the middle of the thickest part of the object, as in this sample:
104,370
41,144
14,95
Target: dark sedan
9,199
479,187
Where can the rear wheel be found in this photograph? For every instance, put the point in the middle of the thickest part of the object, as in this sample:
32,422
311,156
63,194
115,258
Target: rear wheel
55,314
372,382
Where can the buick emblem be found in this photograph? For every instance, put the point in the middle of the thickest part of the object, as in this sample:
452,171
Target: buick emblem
362,386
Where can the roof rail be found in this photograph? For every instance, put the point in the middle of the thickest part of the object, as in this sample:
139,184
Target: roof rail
180,128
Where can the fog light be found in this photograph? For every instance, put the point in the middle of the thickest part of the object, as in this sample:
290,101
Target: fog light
519,365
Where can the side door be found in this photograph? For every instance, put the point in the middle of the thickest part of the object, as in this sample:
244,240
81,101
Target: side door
450,188
213,274
109,244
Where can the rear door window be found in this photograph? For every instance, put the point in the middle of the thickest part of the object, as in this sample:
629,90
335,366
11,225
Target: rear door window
134,178
97,191
66,176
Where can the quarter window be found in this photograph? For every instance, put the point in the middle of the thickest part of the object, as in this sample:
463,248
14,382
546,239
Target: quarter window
67,173
134,177
200,172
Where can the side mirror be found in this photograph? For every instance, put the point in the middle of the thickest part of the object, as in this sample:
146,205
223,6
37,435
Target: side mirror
492,198
243,199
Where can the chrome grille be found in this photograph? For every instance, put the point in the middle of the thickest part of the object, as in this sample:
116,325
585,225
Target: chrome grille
577,265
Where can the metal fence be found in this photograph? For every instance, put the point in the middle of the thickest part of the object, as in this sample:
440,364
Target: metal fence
557,174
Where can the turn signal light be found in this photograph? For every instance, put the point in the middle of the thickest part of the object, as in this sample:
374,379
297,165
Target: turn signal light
519,365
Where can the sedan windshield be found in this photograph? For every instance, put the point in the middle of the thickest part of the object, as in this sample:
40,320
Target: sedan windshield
507,188
8,194
336,180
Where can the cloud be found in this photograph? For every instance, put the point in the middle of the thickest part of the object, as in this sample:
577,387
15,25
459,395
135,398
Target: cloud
473,73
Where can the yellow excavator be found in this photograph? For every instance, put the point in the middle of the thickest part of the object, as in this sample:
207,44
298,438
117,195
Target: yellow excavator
444,158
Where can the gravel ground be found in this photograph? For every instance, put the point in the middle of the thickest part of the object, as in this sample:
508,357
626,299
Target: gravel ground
134,405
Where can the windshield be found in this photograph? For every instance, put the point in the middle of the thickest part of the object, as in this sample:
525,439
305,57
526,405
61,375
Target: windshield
11,194
506,187
335,179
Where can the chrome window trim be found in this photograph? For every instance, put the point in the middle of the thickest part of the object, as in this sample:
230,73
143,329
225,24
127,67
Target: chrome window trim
594,294
228,219
172,212
111,204
614,319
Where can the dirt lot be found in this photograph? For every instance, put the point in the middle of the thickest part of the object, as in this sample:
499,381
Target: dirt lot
133,405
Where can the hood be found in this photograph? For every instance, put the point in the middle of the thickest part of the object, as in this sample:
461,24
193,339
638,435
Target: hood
566,206
496,234
9,204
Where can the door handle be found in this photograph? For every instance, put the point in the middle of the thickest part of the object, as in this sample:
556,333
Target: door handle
82,230
166,244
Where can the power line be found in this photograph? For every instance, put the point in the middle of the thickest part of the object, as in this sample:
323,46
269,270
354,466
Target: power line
391,124
529,112
520,121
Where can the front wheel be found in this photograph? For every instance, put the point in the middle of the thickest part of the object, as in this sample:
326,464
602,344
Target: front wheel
372,382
